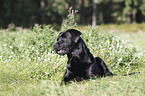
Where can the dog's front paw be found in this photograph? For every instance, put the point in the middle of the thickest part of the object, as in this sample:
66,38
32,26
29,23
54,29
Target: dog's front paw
108,74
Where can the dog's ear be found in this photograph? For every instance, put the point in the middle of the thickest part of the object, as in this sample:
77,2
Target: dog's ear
75,34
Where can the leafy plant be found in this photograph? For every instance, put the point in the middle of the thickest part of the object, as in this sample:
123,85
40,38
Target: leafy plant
69,23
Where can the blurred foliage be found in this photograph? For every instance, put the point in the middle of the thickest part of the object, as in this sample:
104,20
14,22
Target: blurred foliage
29,12
29,65
33,49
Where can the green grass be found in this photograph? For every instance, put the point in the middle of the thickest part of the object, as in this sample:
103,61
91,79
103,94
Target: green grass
30,67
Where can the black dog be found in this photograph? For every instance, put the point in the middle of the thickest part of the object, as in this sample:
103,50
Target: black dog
81,64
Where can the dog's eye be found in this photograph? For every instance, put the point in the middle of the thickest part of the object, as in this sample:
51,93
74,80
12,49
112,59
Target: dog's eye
64,38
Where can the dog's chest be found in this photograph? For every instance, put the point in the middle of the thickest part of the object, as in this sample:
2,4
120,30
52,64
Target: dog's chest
76,64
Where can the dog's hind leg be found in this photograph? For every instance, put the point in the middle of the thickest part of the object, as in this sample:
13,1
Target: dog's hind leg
103,67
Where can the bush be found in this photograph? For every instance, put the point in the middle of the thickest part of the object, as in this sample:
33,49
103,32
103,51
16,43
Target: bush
32,49
35,48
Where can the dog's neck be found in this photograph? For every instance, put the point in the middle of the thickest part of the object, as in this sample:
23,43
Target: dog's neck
81,51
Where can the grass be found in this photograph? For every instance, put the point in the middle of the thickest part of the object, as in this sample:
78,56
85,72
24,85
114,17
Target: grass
30,67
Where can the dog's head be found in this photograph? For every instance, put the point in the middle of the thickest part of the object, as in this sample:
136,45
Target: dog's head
66,41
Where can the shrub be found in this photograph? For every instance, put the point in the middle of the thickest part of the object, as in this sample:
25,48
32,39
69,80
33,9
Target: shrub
32,50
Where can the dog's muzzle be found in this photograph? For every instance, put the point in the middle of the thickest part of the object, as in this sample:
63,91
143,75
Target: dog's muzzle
59,51
56,46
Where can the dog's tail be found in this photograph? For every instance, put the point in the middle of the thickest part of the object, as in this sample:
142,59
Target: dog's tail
128,74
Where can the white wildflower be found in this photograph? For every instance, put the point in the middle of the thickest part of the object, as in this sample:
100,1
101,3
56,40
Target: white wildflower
50,50
23,56
122,41
39,58
45,60
5,44
140,54
120,59
49,53
46,73
32,48
121,46
11,47
10,56
5,61
48,58
21,44
64,58
100,46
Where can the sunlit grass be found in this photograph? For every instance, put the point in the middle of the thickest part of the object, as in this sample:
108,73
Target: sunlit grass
29,65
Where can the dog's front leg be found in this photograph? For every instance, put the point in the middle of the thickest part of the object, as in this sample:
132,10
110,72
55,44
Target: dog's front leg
68,77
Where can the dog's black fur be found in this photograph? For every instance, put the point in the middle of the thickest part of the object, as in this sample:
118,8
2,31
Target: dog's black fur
81,64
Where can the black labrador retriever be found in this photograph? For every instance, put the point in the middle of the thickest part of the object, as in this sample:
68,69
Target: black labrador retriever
81,64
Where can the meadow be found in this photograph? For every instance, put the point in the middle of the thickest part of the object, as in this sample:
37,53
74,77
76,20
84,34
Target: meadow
30,67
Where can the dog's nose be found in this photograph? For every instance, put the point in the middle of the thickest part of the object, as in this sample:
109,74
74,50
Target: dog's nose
55,46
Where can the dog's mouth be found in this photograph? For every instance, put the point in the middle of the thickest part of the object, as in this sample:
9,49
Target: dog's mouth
61,52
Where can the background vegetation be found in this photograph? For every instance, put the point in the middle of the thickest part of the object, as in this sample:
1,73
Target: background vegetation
28,12
29,65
